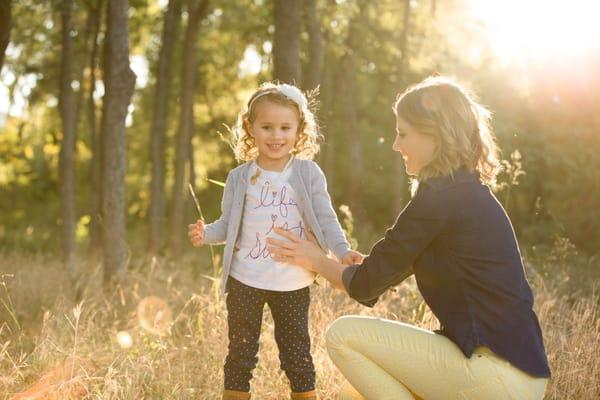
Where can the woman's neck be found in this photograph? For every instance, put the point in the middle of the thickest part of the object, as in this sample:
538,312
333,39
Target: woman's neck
273,165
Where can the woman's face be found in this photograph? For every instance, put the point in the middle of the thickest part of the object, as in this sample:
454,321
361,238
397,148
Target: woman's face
417,149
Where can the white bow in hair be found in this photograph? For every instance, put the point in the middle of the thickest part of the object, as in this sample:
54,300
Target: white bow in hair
289,91
294,94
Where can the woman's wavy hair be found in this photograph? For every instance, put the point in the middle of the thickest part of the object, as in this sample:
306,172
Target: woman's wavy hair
307,142
460,126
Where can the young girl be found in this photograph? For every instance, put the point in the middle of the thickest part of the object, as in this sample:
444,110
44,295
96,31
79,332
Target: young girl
459,243
277,186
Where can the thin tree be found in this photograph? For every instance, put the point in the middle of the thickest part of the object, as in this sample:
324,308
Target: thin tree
67,146
186,120
312,78
92,121
327,100
326,116
347,92
158,128
400,187
5,25
286,44
119,83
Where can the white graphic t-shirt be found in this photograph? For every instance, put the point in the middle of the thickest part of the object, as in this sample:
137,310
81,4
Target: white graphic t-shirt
270,202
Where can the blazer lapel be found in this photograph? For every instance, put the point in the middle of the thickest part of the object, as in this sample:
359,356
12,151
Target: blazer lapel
298,186
238,199
243,181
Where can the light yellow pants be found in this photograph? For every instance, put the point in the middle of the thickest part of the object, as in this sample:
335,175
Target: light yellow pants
384,359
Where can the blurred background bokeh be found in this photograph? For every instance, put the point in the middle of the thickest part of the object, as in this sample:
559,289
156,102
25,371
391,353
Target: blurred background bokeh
94,169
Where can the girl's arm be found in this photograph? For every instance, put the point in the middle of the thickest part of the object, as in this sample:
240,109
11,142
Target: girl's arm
326,216
216,232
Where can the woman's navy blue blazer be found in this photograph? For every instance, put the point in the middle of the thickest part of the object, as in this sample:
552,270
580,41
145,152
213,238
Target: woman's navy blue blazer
457,239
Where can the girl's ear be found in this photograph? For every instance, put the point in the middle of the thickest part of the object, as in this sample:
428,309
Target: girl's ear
301,126
248,127
299,137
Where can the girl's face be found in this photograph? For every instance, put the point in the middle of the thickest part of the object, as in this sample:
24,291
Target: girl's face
275,130
417,149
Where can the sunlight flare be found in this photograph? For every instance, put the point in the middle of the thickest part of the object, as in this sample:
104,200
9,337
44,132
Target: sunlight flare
537,29
124,339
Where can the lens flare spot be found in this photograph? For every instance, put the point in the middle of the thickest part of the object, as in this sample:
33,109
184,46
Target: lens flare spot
124,339
154,315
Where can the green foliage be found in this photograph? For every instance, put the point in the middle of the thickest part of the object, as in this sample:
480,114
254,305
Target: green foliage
548,129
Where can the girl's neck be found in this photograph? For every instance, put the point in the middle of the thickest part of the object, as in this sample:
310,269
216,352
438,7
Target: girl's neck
273,165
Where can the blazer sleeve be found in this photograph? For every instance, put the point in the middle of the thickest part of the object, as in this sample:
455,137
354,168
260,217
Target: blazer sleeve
216,232
325,214
391,258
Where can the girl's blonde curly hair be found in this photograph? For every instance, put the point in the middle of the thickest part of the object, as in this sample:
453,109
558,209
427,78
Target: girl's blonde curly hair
308,138
460,127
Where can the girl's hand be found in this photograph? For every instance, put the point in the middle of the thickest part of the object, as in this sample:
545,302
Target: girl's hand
196,233
303,253
352,257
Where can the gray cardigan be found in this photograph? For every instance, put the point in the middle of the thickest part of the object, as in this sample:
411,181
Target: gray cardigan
308,181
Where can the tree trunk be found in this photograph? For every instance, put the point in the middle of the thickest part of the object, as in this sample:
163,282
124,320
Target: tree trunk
316,48
328,100
5,25
95,244
67,146
347,91
119,83
286,46
191,158
186,120
401,179
158,129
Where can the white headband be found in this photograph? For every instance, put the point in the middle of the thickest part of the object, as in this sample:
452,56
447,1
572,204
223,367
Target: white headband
289,91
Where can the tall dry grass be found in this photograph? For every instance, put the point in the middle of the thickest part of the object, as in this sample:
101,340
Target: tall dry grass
43,330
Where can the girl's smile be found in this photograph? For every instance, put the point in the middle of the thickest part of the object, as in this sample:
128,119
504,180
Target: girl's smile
275,131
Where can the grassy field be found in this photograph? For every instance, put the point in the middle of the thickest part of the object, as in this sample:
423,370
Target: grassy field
98,347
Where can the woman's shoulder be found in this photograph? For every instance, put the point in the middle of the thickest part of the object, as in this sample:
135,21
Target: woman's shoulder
459,196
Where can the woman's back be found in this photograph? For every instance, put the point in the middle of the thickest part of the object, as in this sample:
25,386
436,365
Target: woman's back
471,273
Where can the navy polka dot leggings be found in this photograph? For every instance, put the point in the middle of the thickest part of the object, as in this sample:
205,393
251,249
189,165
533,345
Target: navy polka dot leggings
244,317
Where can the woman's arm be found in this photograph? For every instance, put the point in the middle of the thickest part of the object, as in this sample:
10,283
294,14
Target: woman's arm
390,260
306,254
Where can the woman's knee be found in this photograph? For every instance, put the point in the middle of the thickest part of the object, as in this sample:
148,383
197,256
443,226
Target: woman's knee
339,331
